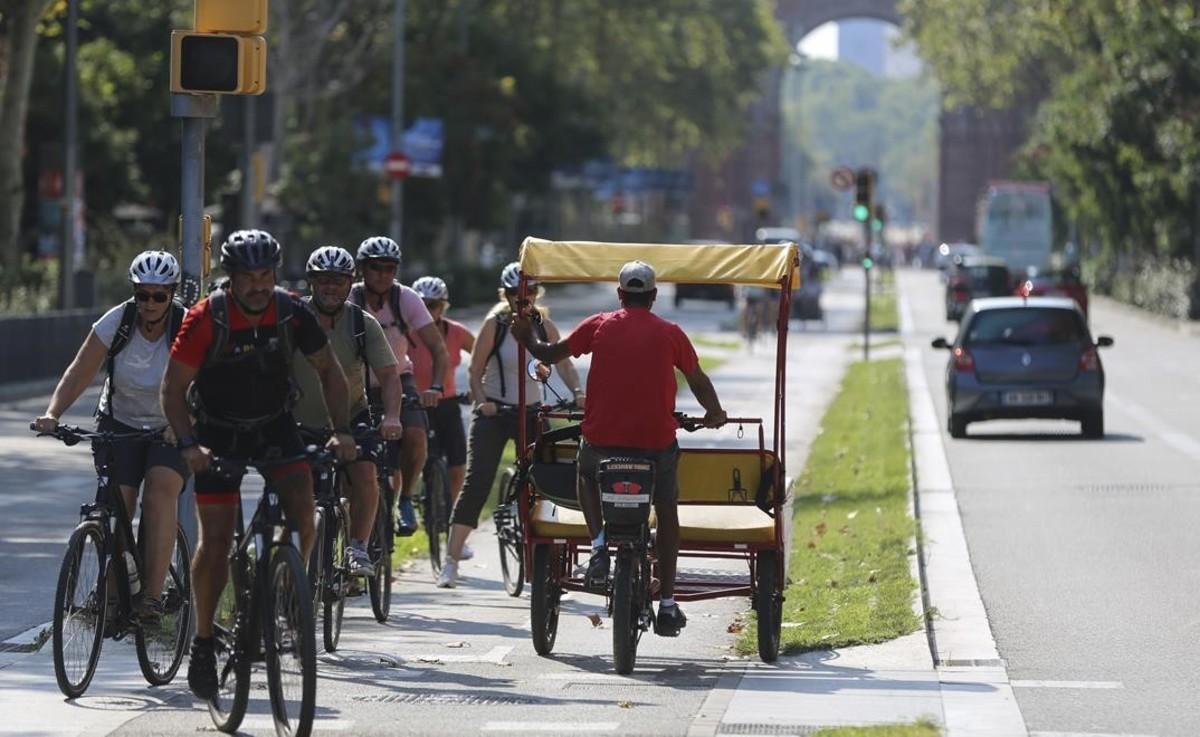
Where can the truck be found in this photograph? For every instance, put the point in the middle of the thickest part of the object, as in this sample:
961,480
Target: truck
1014,222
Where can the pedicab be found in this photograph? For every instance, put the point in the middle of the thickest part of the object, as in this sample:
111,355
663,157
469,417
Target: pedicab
734,502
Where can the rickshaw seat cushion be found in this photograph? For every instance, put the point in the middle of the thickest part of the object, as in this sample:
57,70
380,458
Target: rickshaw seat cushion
698,523
554,520
556,482
726,477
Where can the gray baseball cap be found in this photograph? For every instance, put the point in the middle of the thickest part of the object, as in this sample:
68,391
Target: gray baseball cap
637,277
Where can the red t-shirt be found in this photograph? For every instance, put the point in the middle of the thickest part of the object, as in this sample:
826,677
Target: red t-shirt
631,384
457,337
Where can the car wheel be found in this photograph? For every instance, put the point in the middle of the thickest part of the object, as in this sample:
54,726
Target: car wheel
1093,425
957,426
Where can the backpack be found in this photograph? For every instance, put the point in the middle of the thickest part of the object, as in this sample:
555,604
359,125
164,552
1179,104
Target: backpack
125,333
358,297
218,303
502,332
359,322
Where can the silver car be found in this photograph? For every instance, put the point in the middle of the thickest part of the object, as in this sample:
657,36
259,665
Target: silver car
1024,358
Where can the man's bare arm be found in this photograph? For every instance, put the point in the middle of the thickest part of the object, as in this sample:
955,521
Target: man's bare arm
333,386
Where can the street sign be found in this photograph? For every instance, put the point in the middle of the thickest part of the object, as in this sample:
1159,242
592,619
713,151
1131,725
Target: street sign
842,178
397,165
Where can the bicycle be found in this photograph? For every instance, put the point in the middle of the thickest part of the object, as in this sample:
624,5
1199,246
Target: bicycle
82,616
382,542
435,494
328,568
266,613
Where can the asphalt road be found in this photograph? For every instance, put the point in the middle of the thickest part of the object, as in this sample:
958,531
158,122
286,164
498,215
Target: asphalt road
1085,551
449,662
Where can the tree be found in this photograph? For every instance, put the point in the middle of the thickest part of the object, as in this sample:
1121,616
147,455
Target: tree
18,42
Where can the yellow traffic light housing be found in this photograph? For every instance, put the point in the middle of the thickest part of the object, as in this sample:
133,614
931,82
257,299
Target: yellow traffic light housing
232,16
220,63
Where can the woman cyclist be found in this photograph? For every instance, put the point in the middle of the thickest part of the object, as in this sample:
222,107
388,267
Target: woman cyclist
446,418
134,338
495,374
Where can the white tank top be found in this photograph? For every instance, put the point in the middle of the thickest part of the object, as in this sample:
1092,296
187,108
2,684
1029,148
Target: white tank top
513,371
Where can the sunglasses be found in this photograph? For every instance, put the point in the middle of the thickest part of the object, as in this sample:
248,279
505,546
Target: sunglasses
158,297
433,303
381,267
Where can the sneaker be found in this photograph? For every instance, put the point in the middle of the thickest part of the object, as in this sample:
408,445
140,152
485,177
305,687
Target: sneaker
406,520
448,578
150,611
669,621
597,571
360,562
202,670
467,552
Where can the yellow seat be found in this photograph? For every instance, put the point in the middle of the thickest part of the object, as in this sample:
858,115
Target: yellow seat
725,523
551,520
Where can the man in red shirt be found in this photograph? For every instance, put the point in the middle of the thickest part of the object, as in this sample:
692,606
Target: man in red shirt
631,407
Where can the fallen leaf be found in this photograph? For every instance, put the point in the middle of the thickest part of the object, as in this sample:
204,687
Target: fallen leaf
625,704
852,515
820,528
735,627
429,659
832,584
873,577
595,619
458,644
811,544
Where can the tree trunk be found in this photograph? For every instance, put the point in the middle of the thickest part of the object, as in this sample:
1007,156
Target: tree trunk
21,42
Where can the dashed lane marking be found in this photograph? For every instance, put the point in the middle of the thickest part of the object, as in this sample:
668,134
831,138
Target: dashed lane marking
1067,684
569,727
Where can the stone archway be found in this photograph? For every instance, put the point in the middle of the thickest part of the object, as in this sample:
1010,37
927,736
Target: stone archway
975,146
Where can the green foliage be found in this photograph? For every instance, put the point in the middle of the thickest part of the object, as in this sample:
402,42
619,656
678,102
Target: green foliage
923,728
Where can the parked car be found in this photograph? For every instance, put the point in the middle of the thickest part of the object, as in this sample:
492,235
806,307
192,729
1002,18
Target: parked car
708,292
1064,283
975,277
1017,357
949,254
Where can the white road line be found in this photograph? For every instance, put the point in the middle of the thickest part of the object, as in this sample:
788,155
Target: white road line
33,541
319,725
1085,734
29,636
1178,440
1067,684
571,727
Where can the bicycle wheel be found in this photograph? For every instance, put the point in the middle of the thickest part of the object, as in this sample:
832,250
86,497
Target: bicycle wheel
160,645
317,562
507,518
291,647
337,581
234,643
544,594
626,612
435,483
80,604
379,547
768,605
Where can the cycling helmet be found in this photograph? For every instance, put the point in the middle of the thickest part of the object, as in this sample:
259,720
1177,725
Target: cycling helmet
330,259
431,287
154,267
379,247
510,278
247,250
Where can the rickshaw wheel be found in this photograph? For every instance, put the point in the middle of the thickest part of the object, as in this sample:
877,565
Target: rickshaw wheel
544,594
626,610
768,604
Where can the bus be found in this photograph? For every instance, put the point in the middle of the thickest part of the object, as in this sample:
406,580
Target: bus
1015,224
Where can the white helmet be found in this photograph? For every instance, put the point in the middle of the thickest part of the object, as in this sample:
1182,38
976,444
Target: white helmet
154,267
330,259
431,287
510,278
379,247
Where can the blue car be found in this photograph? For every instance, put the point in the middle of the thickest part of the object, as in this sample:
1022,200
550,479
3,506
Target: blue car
1018,357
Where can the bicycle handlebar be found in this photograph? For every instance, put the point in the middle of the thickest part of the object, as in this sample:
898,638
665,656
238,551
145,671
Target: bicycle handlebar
231,467
73,434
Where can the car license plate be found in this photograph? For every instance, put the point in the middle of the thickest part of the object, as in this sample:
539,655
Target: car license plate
1027,398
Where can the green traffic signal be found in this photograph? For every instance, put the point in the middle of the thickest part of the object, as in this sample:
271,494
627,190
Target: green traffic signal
876,225
861,213
868,262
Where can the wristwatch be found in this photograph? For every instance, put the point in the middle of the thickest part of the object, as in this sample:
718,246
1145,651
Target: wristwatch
437,388
187,441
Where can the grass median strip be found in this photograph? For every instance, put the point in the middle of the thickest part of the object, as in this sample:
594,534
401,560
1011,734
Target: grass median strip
917,729
849,574
885,318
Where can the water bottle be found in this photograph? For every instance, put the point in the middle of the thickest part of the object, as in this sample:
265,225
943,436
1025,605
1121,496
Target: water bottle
135,585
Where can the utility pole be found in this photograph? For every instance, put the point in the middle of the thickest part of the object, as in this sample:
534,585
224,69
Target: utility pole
70,161
249,205
864,194
396,228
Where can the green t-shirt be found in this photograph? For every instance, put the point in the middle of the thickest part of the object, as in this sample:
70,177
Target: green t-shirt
310,410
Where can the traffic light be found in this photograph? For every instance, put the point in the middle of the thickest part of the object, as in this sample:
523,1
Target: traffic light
226,53
880,219
864,186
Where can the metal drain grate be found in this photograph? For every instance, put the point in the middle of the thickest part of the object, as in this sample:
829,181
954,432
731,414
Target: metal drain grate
1133,489
774,730
456,699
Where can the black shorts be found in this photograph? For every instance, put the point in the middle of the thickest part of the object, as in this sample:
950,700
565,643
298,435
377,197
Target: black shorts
411,413
132,459
277,438
448,432
666,467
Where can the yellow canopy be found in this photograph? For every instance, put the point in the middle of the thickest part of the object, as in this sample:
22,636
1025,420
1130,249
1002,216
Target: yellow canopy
587,261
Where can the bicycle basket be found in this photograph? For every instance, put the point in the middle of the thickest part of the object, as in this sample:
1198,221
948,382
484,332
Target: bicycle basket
626,494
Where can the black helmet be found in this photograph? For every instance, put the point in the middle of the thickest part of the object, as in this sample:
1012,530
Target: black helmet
247,250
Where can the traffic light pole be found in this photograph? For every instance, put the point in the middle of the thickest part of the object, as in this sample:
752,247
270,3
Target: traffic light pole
867,291
195,112
396,229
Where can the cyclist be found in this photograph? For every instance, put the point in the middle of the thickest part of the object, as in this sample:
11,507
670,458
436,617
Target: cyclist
134,340
446,418
495,376
358,342
236,346
401,312
632,390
